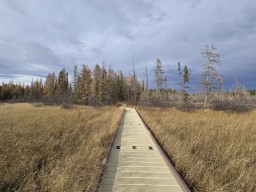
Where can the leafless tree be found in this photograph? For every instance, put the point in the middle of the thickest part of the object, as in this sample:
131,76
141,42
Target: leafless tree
159,74
210,79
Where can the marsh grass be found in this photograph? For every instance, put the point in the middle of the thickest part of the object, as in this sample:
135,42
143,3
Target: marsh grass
49,148
213,150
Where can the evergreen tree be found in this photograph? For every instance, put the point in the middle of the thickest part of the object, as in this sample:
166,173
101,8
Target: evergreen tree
180,76
96,83
185,80
36,88
110,86
146,87
121,84
102,87
49,86
62,84
74,83
85,85
1,92
26,92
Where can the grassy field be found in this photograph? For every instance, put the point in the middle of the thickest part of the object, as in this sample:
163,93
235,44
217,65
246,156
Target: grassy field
48,148
214,151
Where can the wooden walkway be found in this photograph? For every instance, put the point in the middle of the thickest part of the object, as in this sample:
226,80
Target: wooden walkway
135,163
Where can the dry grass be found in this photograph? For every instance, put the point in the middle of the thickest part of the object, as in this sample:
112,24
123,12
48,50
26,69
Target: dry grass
48,148
213,150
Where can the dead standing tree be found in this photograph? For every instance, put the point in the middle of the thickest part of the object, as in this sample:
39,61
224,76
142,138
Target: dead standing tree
210,79
159,74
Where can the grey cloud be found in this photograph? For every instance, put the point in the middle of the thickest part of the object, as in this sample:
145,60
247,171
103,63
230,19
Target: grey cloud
225,32
97,51
244,72
37,37
26,57
195,3
239,26
4,64
40,55
7,75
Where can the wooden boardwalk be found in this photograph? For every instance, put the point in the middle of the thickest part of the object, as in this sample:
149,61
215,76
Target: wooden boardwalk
135,163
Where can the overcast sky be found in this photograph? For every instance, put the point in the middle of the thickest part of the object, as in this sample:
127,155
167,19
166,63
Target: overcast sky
42,36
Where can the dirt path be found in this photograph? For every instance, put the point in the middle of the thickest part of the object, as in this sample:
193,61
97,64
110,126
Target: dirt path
135,163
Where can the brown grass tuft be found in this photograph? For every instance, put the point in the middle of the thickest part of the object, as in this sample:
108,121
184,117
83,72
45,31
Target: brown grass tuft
49,148
213,150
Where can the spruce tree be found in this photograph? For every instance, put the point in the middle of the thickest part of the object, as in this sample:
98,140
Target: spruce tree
185,80
75,82
62,84
96,83
85,85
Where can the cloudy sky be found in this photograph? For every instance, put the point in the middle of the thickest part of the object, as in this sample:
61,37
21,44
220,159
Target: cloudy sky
42,36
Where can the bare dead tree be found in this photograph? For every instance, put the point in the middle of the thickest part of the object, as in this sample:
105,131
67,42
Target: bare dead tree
210,79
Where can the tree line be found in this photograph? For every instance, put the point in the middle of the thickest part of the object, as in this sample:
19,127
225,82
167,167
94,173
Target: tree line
101,86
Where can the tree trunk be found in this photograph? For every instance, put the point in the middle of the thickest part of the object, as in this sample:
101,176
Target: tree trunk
205,99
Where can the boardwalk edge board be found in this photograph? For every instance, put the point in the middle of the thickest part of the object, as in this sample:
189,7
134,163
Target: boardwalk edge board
166,159
103,165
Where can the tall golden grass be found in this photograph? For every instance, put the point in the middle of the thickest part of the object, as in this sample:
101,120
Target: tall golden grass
212,150
49,148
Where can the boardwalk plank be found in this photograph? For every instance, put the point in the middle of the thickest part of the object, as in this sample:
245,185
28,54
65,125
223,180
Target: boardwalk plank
134,163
